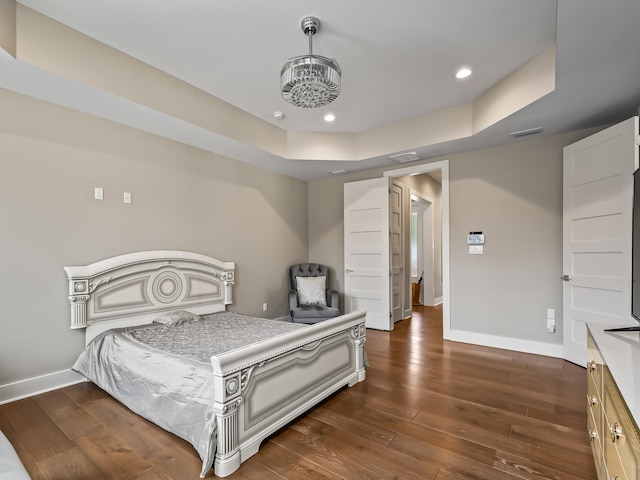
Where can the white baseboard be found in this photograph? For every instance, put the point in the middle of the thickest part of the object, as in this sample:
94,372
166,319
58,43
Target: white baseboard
36,385
437,301
506,343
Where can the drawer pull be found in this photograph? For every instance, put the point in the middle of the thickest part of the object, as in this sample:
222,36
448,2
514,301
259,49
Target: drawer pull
593,366
616,433
592,400
592,434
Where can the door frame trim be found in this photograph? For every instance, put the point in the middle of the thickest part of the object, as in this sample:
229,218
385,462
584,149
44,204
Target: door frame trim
442,165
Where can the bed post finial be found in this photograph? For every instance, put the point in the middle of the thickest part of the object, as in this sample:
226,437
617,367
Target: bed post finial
78,310
359,333
228,279
78,297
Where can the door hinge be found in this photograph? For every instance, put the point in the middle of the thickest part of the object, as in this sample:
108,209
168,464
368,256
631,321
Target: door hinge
638,140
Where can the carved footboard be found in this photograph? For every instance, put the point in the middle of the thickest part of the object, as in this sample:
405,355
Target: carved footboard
265,386
258,389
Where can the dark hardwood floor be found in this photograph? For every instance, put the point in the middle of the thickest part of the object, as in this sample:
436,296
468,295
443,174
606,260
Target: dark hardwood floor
429,409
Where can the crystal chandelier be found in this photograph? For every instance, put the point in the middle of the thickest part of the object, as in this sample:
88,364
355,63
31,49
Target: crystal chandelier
310,81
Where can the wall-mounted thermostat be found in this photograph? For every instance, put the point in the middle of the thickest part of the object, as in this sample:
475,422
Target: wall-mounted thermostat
475,238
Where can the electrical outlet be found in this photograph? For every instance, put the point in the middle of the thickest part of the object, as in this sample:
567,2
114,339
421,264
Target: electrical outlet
127,197
264,307
97,193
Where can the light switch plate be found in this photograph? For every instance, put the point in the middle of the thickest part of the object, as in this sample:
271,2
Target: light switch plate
476,249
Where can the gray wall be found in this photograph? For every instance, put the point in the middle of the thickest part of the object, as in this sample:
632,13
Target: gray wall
183,198
513,193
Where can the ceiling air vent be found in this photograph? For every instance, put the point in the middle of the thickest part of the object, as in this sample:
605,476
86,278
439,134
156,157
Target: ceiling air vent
405,157
524,133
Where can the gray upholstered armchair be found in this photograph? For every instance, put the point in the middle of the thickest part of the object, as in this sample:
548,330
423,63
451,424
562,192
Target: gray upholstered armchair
310,299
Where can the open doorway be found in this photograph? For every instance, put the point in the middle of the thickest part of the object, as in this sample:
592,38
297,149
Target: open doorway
367,242
432,256
421,249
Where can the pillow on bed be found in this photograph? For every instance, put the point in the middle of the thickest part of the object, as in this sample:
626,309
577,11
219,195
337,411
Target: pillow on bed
176,317
311,290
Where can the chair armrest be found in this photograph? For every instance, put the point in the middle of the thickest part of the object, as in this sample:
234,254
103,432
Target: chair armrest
293,299
333,299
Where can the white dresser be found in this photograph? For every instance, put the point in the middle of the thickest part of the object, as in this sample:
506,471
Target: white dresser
613,396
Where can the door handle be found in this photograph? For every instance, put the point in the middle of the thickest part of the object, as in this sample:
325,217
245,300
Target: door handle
566,278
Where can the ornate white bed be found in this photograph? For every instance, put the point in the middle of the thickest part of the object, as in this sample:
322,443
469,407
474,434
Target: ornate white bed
257,389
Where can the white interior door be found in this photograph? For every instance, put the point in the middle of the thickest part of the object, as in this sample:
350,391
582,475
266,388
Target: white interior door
598,194
396,226
366,251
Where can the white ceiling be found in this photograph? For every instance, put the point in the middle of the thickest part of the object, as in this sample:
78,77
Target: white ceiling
398,59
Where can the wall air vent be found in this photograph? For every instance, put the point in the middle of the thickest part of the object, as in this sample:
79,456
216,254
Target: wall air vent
524,133
405,157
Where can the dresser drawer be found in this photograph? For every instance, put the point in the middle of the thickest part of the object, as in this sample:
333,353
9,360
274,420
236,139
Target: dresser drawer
621,440
595,365
594,406
595,437
611,425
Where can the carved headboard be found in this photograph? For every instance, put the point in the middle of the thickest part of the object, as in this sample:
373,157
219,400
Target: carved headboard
136,288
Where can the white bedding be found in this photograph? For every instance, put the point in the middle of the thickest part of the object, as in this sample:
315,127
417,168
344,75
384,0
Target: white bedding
11,467
163,373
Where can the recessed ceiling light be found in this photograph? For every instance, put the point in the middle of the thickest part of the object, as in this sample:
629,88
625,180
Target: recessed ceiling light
278,115
329,117
464,72
337,172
